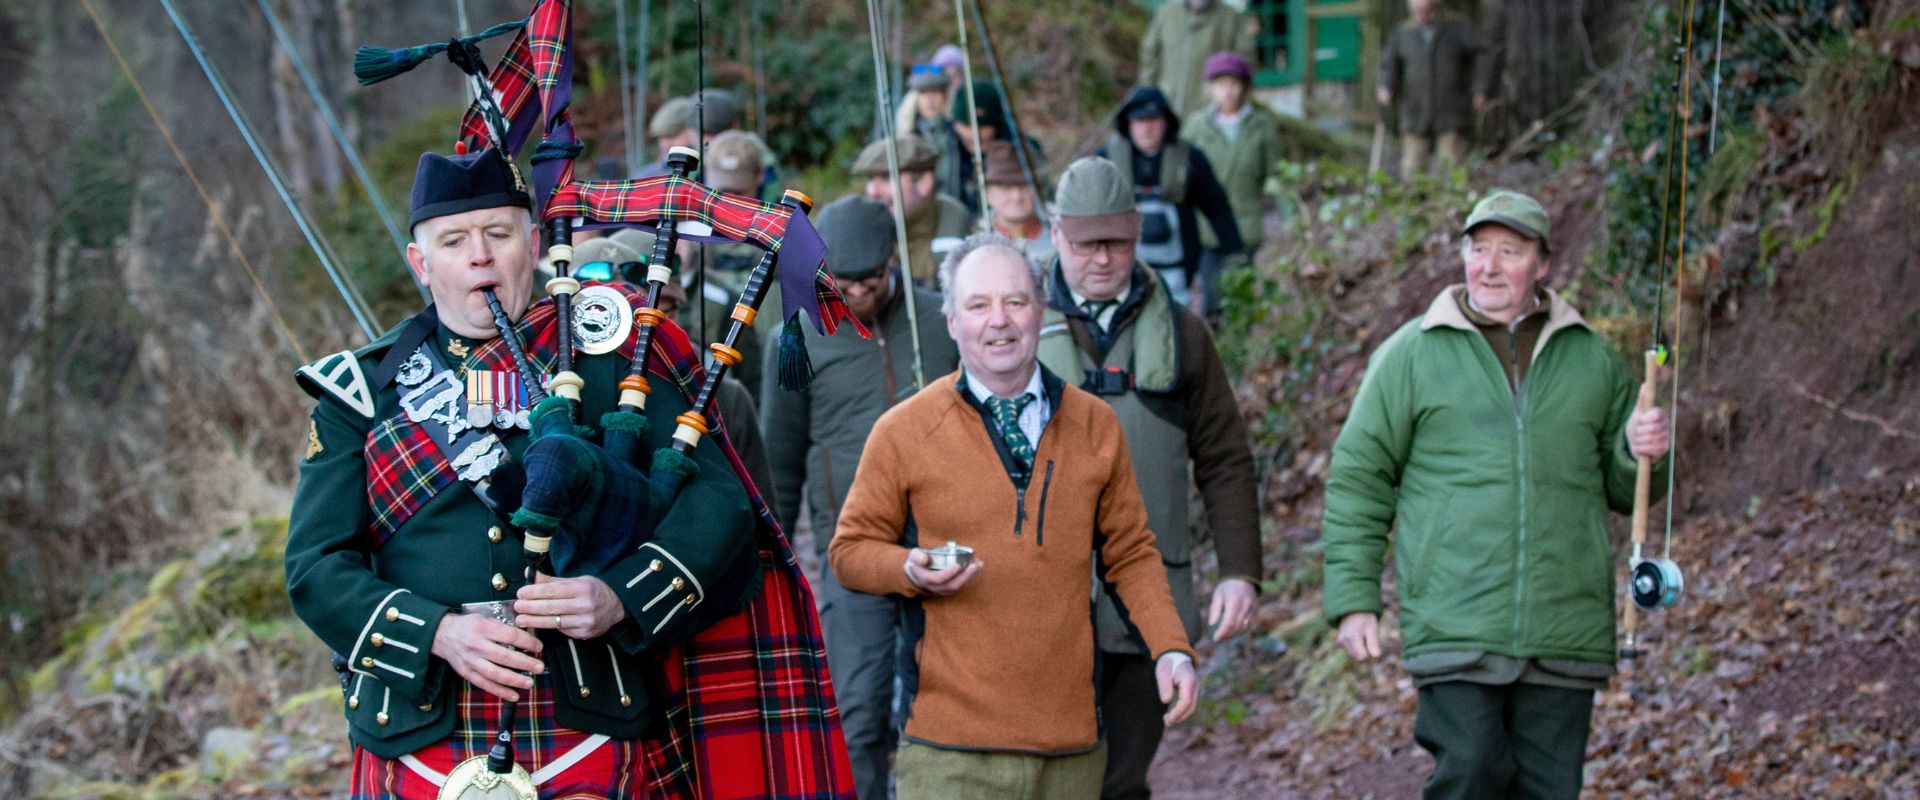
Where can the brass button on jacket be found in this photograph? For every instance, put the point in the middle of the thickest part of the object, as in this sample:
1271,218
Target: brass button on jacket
377,640
499,582
494,535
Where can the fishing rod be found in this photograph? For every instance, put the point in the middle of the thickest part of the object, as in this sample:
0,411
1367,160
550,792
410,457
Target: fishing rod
1658,582
340,138
341,282
882,91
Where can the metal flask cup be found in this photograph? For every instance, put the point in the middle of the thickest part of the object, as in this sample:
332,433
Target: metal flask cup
948,555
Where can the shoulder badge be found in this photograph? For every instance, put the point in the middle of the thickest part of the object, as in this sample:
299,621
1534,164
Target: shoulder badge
314,447
339,374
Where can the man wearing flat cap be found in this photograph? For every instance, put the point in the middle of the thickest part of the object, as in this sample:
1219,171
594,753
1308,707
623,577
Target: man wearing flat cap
673,125
1490,436
935,221
399,556
816,436
1114,330
924,113
1013,208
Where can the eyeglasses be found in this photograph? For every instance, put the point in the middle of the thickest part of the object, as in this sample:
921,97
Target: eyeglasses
1112,246
606,270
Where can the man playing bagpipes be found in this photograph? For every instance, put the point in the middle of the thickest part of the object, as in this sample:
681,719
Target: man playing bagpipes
521,524
398,556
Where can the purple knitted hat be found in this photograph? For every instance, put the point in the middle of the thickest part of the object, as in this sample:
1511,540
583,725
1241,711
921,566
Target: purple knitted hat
1227,62
948,56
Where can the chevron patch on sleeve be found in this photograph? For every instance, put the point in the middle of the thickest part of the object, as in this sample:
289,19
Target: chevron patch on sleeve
339,374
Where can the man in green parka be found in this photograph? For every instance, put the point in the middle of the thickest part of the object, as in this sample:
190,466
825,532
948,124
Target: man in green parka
1492,434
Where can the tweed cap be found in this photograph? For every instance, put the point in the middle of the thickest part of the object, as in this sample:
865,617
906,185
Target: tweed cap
671,118
1094,202
927,78
1003,164
720,108
859,235
736,161
444,185
915,156
1514,210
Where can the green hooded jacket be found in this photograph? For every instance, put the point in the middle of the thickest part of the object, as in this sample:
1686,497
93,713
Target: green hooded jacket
1499,497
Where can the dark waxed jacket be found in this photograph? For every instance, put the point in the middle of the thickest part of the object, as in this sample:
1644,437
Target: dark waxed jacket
1434,84
1194,192
814,438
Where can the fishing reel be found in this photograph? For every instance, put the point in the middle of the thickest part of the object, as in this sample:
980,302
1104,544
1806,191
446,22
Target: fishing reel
1656,583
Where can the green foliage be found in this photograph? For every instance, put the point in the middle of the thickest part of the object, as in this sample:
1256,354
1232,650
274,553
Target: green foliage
1333,207
1858,86
1764,58
1824,213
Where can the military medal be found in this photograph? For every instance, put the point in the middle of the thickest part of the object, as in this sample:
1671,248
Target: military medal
480,397
505,397
522,415
602,319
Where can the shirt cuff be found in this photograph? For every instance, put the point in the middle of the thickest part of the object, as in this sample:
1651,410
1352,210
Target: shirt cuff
1176,657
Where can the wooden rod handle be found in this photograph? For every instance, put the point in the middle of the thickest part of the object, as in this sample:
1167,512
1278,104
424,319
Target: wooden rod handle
1643,470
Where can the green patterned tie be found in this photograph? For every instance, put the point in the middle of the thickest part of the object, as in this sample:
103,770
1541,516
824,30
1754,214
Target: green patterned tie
1006,414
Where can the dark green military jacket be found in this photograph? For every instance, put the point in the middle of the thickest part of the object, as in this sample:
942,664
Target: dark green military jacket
381,604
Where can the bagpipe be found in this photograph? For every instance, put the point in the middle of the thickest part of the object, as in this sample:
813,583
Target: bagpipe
584,504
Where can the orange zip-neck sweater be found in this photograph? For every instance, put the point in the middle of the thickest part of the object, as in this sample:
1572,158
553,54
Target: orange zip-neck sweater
1007,662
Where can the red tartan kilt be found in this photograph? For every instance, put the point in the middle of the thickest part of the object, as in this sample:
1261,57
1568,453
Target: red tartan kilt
610,771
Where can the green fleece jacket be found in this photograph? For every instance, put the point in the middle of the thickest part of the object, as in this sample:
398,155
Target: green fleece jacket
1499,496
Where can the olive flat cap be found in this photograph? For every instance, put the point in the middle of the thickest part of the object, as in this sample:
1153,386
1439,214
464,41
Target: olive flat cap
1094,202
859,236
670,118
1513,210
915,156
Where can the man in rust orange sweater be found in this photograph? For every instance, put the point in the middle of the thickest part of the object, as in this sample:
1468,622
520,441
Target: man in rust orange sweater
1033,475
